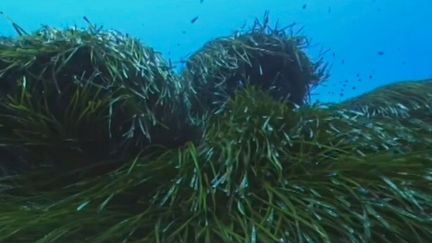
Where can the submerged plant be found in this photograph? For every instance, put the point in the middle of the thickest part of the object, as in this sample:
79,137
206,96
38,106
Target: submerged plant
65,93
264,170
271,58
400,99
403,109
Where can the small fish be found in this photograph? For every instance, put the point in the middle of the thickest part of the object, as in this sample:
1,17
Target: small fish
201,1
370,76
304,6
194,19
343,61
380,53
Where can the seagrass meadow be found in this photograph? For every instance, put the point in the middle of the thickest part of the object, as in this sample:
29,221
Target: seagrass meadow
100,141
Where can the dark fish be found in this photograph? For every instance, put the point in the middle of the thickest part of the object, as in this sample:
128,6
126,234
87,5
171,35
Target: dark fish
304,6
370,76
194,19
201,1
343,61
358,74
380,53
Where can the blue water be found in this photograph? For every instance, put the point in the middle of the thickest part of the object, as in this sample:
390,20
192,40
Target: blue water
372,42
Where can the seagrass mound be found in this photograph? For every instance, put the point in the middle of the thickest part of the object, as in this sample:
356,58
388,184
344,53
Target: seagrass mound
272,59
399,99
64,93
401,111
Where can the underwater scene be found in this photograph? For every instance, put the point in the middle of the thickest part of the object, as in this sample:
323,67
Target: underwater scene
216,121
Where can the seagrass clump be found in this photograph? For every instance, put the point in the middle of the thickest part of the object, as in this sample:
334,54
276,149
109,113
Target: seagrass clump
265,171
64,93
402,108
270,58
399,99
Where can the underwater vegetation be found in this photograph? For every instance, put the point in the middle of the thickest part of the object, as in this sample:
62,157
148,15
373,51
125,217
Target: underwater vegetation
263,53
102,142
83,93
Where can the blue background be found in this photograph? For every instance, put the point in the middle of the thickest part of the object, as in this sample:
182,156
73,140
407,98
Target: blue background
354,30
